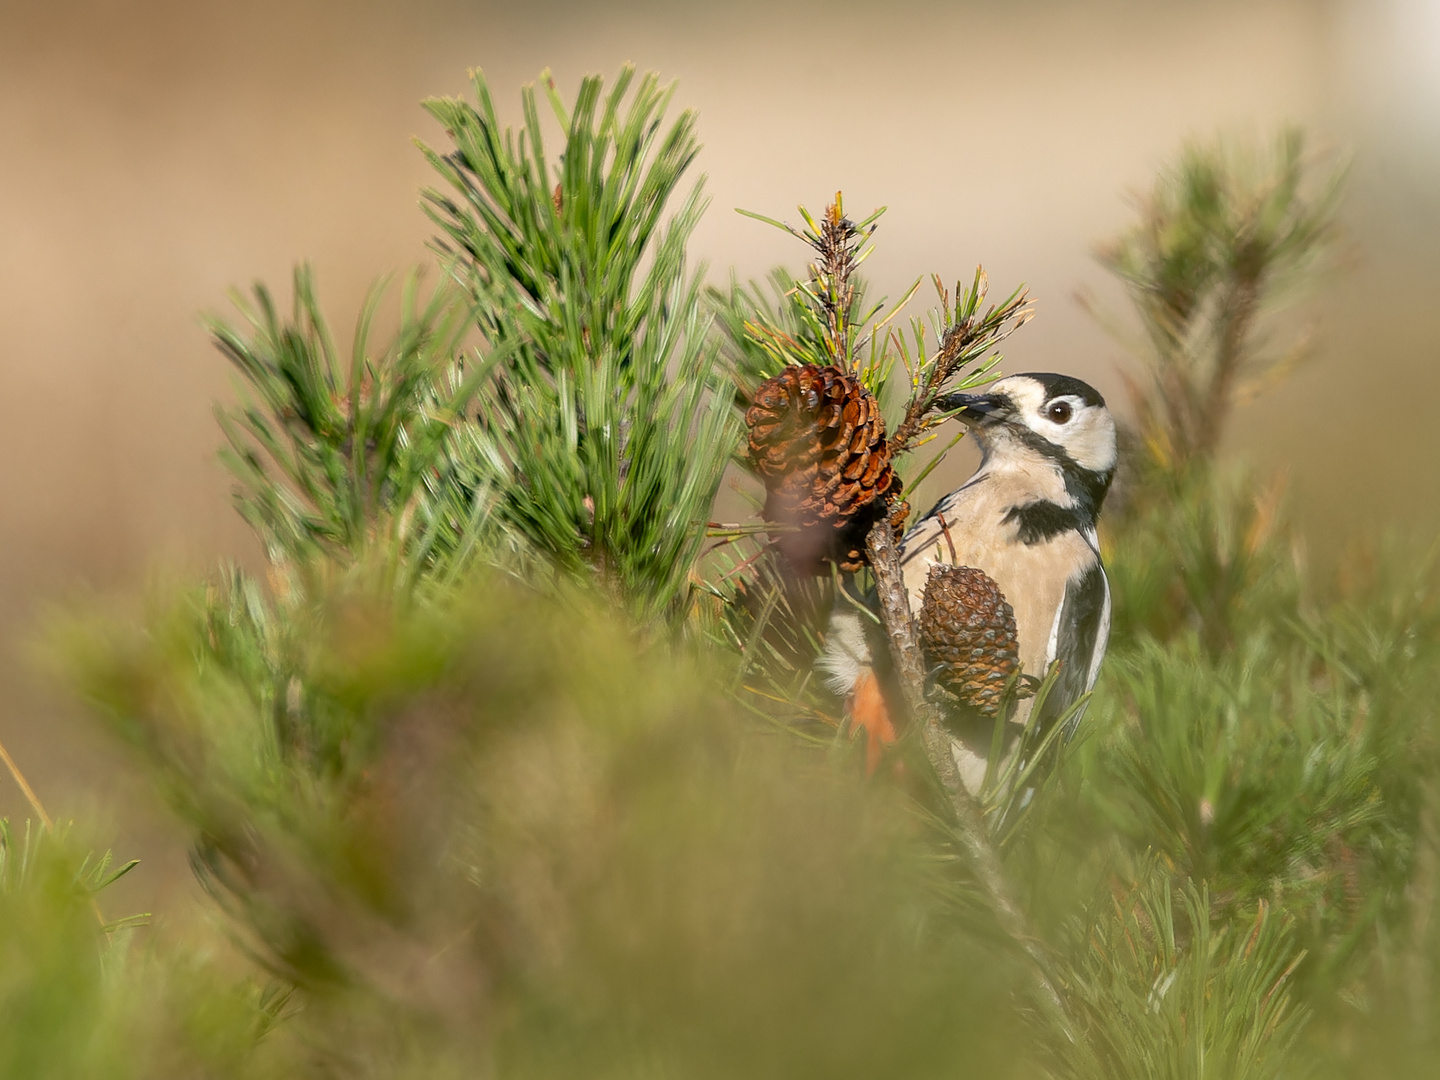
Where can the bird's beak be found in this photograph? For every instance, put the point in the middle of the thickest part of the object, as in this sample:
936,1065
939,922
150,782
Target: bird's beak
980,409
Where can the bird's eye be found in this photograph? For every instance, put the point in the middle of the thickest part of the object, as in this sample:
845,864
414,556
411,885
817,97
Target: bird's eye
1058,411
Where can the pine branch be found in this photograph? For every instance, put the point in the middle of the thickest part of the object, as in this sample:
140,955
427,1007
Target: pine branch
1220,236
967,337
969,820
1230,355
606,430
822,319
333,455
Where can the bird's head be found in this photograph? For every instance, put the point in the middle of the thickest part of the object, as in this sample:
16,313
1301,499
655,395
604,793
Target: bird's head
1054,418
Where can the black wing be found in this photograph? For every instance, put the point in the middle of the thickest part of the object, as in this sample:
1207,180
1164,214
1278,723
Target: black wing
1082,630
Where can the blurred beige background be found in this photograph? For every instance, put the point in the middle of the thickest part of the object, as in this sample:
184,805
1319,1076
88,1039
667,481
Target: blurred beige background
154,154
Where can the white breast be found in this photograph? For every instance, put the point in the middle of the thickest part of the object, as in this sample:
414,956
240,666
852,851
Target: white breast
1033,577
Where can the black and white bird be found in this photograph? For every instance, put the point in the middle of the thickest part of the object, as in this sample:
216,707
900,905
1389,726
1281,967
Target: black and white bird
1027,518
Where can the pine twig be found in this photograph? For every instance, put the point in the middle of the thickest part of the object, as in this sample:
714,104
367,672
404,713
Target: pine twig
25,788
1238,314
969,336
970,822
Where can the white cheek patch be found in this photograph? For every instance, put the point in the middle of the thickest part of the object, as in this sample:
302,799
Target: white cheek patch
1092,444
1088,437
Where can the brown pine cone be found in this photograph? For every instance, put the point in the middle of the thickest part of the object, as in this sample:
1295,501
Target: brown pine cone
817,441
852,539
968,626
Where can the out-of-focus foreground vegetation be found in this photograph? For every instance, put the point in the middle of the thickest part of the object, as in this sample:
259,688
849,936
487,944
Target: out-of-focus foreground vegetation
500,772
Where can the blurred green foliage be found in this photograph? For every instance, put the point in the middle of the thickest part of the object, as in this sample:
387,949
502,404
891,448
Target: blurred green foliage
80,997
543,846
465,812
1170,992
1227,232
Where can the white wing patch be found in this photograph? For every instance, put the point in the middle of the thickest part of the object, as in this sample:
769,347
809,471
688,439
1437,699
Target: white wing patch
1052,647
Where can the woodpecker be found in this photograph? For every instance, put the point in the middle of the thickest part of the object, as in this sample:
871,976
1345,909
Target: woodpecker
1027,518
